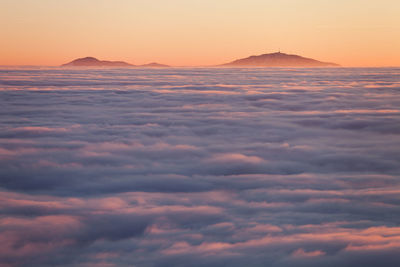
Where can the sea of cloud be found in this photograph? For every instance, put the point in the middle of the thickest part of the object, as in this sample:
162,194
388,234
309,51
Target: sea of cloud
200,167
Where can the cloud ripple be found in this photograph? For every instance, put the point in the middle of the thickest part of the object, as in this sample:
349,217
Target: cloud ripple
200,167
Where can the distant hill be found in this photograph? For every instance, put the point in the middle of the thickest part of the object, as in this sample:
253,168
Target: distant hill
278,60
94,62
154,65
266,60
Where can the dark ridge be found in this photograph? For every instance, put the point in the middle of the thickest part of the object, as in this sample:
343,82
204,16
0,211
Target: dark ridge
94,62
154,65
278,60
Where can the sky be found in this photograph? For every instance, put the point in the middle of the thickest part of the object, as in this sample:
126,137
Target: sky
189,32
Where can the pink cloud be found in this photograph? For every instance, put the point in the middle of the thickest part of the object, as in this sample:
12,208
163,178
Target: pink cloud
235,157
300,253
38,129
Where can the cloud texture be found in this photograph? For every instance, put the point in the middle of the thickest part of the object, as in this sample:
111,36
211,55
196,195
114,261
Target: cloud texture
200,167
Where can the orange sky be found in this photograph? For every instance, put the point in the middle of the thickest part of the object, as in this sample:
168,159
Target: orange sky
199,32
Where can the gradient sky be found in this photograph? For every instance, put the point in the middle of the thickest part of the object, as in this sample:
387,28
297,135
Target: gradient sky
189,32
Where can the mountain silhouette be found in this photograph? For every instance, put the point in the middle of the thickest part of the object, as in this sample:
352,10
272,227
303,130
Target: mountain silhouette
266,60
278,60
154,65
94,62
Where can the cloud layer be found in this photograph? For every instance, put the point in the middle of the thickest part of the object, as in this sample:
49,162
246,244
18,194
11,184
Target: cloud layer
200,167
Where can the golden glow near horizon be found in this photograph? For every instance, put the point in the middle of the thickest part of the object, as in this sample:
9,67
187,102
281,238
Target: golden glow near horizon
194,32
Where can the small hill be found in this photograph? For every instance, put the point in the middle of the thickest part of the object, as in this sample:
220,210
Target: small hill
278,60
94,62
154,65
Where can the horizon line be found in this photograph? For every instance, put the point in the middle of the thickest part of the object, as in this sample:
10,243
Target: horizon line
224,65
